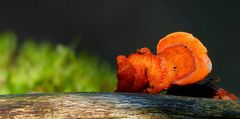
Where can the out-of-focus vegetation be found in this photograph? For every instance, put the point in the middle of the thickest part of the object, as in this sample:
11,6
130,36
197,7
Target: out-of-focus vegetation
45,67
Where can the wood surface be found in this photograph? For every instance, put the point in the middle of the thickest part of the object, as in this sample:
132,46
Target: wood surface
113,105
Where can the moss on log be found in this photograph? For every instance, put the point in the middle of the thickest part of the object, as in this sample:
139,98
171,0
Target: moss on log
114,105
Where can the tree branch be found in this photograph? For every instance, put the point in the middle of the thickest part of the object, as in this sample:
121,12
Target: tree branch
114,105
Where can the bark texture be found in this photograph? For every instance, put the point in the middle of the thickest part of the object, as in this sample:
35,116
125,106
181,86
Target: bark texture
113,105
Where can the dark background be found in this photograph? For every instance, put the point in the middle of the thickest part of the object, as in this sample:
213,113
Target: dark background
111,27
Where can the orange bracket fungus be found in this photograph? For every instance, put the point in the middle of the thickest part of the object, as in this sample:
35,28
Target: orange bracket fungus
181,60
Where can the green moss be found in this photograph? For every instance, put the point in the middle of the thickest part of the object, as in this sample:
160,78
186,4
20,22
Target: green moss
44,67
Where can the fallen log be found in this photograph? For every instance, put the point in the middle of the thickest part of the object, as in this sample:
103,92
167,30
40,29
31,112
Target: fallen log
114,105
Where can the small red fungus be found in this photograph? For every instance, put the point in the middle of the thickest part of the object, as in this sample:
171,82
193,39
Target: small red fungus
223,94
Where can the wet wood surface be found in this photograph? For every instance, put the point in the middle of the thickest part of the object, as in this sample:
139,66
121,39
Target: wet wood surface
113,105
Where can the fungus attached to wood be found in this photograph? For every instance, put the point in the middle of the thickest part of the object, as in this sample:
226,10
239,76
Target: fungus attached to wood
181,60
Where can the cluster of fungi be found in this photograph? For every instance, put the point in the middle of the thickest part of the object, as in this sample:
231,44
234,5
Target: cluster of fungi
179,67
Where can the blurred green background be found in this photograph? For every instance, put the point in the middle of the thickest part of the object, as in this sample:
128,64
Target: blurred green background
31,66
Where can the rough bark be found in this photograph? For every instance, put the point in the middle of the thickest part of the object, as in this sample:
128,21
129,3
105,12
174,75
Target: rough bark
114,105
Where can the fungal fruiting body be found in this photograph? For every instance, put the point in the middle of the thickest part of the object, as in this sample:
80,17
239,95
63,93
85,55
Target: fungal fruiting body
189,56
137,72
223,94
181,59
